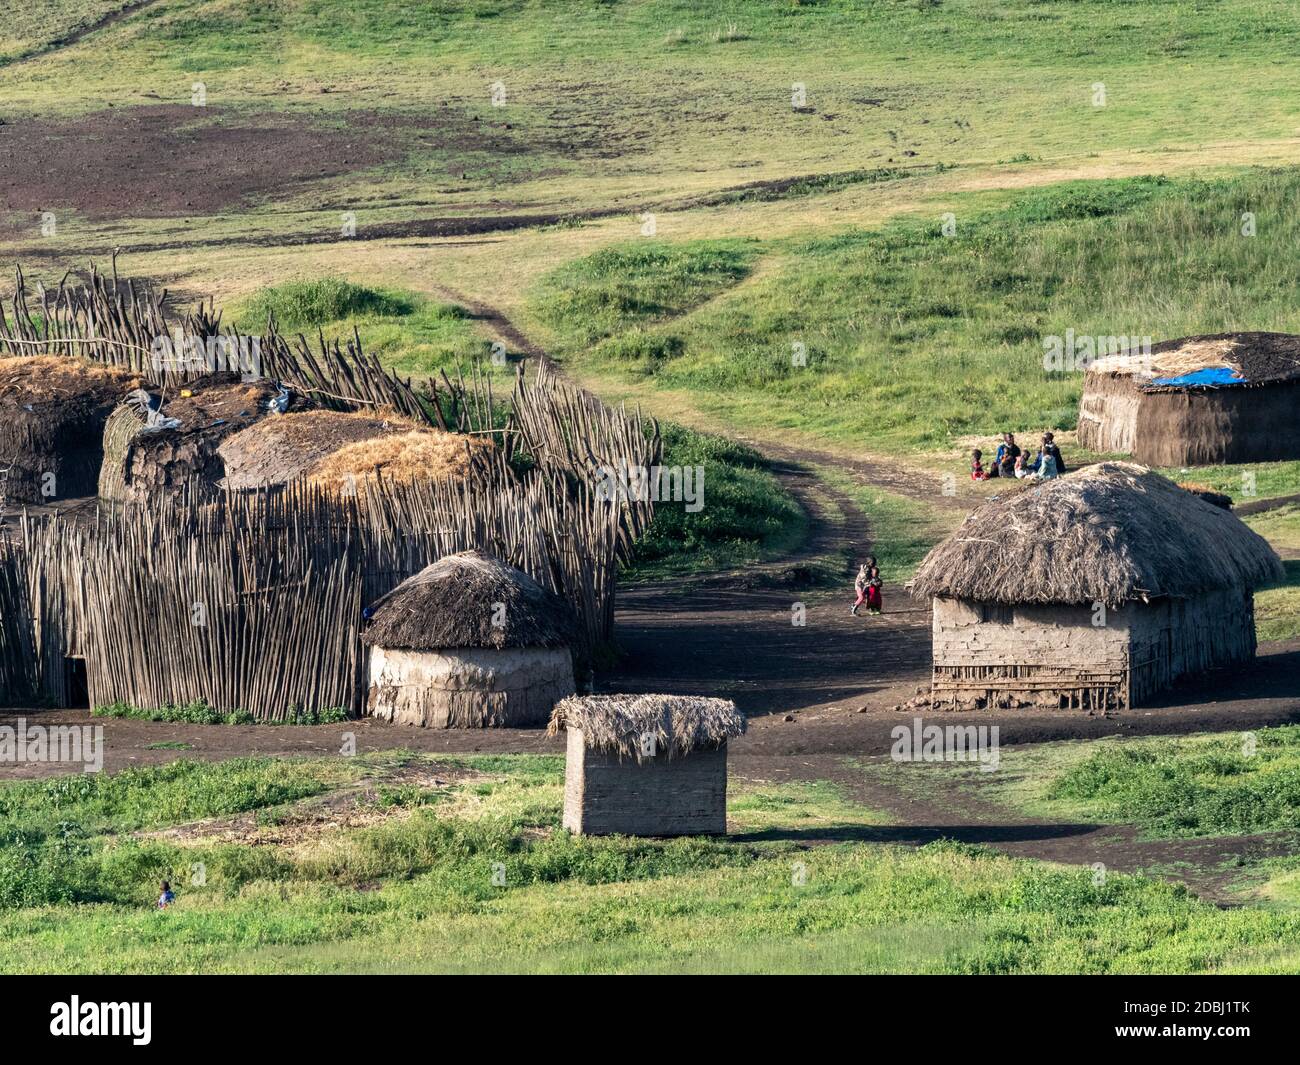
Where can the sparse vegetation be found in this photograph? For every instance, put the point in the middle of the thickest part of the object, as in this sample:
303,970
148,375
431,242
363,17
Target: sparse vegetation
416,892
200,713
1235,784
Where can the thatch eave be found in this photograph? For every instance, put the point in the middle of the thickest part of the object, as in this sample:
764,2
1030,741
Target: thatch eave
1112,533
639,727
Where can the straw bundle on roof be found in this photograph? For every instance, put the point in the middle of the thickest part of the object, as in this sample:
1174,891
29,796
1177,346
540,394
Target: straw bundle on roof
416,455
619,724
1108,533
470,599
283,448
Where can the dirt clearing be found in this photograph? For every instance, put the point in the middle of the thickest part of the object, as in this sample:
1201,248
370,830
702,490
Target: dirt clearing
175,160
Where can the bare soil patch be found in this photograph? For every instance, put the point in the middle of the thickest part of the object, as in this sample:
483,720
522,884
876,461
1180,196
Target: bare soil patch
175,160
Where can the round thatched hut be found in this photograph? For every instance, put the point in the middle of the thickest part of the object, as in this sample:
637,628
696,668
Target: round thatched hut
52,415
1094,590
1203,400
469,642
159,441
646,765
338,449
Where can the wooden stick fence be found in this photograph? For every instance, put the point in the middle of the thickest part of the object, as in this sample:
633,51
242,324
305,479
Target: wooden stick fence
254,600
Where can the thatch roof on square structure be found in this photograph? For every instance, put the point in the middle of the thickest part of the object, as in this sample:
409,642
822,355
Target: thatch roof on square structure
1110,533
640,727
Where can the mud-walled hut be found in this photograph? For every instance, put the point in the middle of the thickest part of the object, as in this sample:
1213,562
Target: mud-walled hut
646,765
469,642
1095,590
1203,400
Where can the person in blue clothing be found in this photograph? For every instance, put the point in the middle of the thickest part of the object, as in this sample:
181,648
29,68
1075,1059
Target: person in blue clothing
1050,448
167,897
995,470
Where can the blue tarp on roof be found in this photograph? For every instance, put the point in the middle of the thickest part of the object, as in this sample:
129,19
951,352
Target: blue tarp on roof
1211,376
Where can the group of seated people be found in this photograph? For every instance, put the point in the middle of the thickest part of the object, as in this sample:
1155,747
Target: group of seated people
1012,461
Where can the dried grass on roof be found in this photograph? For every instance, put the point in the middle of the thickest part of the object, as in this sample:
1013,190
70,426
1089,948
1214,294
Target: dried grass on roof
420,454
675,724
1108,533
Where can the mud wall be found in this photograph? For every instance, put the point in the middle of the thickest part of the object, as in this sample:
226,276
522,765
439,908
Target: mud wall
1171,638
469,688
1190,428
1049,656
681,796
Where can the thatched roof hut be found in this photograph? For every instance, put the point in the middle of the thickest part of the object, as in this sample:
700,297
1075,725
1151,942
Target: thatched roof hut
339,448
646,765
1201,400
52,414
469,642
162,440
1099,587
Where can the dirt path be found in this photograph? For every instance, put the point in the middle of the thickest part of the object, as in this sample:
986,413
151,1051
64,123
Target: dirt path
81,32
1262,506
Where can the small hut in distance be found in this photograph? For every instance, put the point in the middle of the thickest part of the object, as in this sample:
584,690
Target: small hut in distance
52,414
1095,590
1196,401
646,765
469,642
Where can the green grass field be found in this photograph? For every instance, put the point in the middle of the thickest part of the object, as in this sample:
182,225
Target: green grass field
1209,784
475,876
844,226
906,340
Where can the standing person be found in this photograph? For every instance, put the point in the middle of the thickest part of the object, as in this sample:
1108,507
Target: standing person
167,897
875,604
1050,448
860,586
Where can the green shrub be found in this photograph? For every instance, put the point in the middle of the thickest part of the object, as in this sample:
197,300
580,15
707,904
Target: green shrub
307,304
745,510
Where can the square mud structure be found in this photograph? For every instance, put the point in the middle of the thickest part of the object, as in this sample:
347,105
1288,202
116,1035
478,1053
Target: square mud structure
682,795
1095,590
988,654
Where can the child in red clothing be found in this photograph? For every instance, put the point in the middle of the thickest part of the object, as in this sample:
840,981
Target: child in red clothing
875,604
977,467
862,585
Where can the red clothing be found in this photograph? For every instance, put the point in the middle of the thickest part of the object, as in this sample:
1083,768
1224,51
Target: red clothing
873,597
